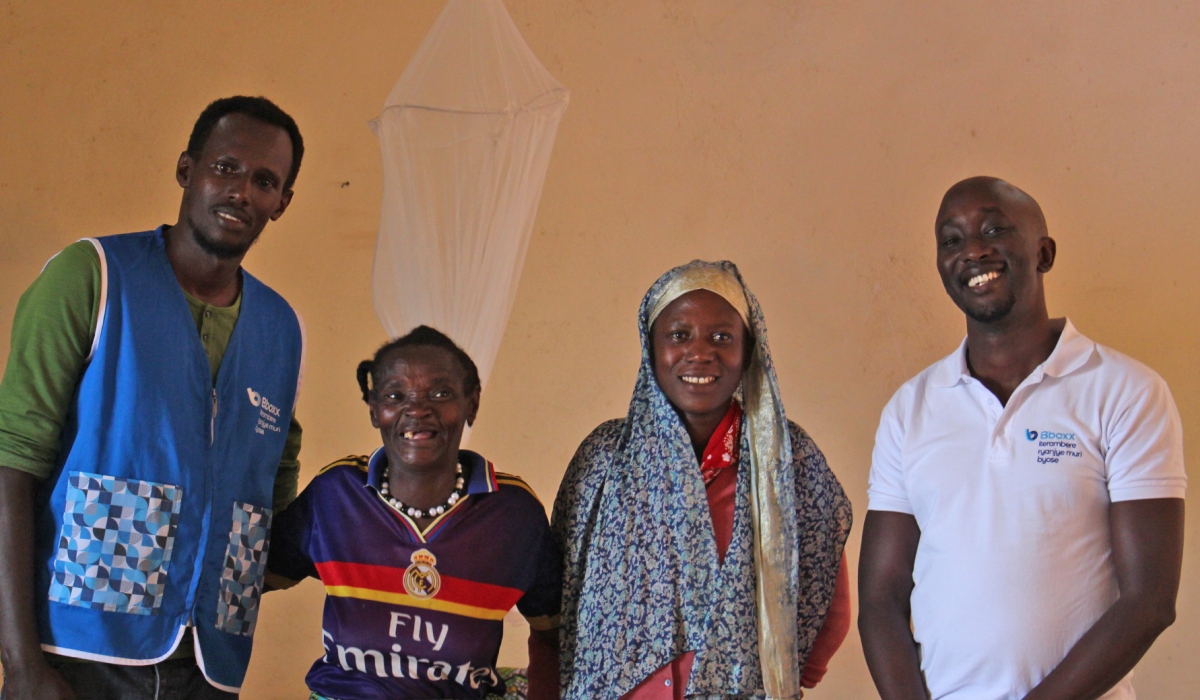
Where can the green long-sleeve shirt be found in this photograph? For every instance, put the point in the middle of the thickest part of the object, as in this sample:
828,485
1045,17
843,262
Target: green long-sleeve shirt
51,337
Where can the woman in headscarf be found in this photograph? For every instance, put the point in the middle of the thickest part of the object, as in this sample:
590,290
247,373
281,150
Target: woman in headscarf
703,532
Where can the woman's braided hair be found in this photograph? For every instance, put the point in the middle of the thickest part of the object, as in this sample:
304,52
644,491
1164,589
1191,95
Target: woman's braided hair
421,336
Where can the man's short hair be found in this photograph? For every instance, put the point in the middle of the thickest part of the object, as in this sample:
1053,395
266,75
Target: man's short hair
259,108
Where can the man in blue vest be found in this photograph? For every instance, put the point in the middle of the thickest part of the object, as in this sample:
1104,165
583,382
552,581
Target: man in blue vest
147,436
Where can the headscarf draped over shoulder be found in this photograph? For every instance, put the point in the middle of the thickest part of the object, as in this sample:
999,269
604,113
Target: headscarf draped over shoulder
642,582
773,500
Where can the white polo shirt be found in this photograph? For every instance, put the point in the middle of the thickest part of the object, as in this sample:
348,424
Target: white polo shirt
1015,560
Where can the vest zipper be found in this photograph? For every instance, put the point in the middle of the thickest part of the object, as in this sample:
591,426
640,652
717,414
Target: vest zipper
212,423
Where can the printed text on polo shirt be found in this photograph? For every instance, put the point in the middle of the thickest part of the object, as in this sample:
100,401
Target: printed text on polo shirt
1052,446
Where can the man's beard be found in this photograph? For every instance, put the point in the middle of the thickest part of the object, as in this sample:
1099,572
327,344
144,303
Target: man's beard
218,249
993,313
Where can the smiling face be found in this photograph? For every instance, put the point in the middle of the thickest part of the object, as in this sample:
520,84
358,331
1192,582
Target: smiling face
992,250
235,185
420,408
699,346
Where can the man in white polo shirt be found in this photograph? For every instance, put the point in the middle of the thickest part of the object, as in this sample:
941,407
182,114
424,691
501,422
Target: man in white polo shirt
1025,529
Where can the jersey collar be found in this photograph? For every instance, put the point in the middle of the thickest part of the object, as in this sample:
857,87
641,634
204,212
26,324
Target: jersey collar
481,474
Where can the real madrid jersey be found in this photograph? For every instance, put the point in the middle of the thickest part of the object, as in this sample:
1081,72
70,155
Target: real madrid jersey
411,614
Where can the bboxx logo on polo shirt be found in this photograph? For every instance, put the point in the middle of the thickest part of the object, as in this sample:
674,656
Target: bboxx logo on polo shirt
268,413
1053,446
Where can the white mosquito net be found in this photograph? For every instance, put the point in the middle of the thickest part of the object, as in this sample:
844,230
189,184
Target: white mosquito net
466,136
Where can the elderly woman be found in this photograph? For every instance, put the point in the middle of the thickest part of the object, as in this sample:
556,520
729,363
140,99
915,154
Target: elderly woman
422,547
703,532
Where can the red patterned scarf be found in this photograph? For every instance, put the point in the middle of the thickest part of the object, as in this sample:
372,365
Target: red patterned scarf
722,449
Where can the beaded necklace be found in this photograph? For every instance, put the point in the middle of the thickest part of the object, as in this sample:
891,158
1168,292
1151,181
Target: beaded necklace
432,512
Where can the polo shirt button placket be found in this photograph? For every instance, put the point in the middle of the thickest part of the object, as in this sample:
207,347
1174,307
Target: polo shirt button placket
1000,430
995,413
1003,448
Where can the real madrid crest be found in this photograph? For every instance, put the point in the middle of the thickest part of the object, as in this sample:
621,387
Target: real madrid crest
421,580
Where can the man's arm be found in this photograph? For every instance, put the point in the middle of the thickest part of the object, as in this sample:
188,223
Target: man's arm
1147,545
885,583
51,336
287,479
26,673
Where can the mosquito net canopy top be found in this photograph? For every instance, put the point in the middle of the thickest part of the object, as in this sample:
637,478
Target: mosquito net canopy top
466,136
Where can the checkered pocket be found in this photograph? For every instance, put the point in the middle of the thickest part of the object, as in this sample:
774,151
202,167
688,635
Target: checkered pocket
245,566
115,543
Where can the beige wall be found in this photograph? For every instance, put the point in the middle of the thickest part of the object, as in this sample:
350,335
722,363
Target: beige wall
808,142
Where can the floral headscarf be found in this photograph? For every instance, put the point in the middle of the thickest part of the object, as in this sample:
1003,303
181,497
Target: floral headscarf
643,584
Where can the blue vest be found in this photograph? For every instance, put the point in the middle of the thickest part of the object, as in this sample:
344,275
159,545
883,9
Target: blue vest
159,509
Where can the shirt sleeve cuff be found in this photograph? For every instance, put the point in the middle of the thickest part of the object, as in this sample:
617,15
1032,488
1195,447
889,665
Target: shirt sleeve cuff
544,623
1166,489
897,505
41,470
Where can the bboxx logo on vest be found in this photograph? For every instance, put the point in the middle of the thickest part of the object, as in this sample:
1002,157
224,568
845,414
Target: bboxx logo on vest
268,413
260,401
